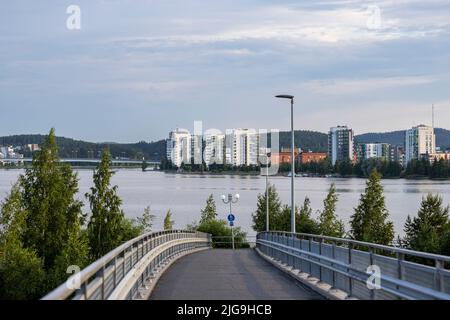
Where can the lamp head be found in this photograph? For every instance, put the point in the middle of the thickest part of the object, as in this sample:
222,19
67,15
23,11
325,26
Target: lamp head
285,96
237,195
223,197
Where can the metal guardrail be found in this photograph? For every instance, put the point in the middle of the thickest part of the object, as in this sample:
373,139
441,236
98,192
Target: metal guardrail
120,273
343,264
247,240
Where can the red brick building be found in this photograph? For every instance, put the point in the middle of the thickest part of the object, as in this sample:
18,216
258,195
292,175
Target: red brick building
307,157
284,156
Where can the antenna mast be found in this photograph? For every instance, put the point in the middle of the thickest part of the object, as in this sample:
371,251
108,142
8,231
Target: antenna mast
432,116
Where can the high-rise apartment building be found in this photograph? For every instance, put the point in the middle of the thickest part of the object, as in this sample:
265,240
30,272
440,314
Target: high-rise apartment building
397,154
214,148
419,141
242,147
179,147
373,150
340,144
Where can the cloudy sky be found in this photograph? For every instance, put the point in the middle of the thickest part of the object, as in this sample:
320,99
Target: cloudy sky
139,68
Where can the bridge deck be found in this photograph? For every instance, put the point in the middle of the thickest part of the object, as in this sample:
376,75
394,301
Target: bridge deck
227,275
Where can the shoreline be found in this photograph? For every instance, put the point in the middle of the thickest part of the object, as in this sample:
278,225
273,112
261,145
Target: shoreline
251,174
233,173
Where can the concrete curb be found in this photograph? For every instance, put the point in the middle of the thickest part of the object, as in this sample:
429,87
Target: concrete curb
313,283
145,292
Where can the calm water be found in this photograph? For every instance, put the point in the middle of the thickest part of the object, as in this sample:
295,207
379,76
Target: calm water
185,195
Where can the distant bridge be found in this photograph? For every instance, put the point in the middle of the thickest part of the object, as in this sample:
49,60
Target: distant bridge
86,161
282,266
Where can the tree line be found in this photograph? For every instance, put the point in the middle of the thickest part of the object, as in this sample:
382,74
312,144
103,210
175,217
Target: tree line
416,168
43,229
429,231
71,148
218,228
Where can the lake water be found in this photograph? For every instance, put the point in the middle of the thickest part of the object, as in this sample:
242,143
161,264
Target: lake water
185,195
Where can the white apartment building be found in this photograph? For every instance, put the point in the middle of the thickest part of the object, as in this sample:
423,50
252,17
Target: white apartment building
8,152
373,150
419,141
179,147
214,148
242,147
340,144
238,147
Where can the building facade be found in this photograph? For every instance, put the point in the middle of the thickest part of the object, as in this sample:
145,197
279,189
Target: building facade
238,147
284,156
419,141
373,150
214,148
179,147
242,146
307,157
397,154
340,144
439,156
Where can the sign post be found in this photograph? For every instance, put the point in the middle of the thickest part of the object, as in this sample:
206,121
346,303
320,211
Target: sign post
231,220
229,200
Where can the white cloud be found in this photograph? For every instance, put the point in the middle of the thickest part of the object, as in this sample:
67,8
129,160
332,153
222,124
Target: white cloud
346,24
354,86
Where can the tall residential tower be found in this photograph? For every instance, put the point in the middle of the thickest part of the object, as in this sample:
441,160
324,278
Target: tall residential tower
419,141
340,144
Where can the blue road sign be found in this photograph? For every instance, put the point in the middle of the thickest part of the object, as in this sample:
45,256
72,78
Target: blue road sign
231,223
231,217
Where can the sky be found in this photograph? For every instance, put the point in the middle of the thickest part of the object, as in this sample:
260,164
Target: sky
137,69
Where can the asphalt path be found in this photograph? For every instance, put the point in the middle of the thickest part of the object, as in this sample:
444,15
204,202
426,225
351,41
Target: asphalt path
224,274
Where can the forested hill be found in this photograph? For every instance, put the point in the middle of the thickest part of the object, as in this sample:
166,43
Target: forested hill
398,137
307,140
70,148
318,141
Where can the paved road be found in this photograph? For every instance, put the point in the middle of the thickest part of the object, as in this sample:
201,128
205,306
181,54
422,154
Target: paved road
221,274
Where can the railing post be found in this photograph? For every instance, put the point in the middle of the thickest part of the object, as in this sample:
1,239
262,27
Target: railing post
300,240
115,272
85,292
131,257
309,252
320,259
350,282
372,291
103,282
438,275
333,255
124,263
400,267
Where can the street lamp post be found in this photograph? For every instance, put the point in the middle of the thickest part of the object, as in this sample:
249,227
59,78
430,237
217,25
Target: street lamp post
229,200
285,96
267,191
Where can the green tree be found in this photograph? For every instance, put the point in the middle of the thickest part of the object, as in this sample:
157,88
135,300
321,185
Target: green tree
259,217
282,221
129,229
21,273
369,222
145,222
54,218
168,222
344,167
221,234
209,212
329,223
427,231
21,270
106,225
303,222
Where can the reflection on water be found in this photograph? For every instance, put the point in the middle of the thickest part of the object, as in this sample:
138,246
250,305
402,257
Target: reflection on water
185,194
